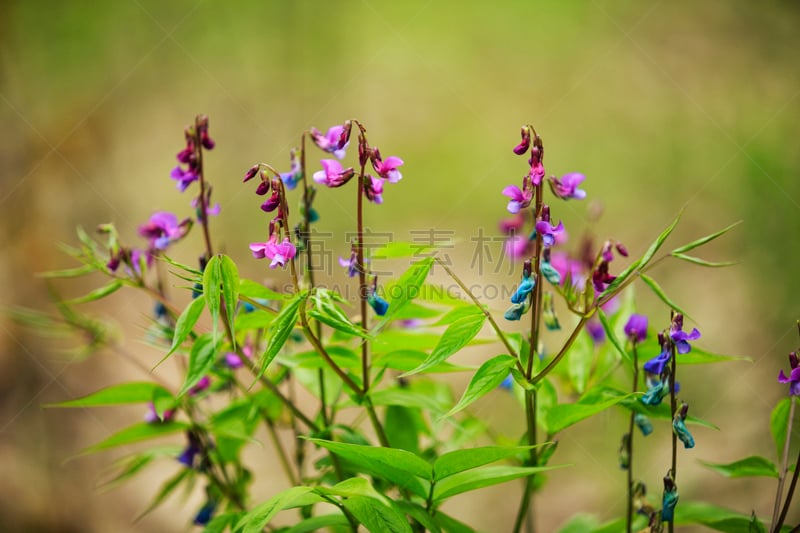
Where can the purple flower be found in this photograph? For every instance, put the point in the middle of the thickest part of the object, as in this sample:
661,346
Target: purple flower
794,375
513,224
189,454
537,172
163,229
564,264
295,173
567,187
350,264
332,173
279,253
183,177
680,337
210,211
549,232
595,329
373,189
271,203
517,246
388,169
151,416
141,259
519,199
334,142
656,364
636,328
525,143
200,386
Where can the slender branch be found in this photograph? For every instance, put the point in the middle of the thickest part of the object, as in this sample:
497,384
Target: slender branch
560,355
629,515
673,404
315,342
526,505
201,175
362,274
777,520
376,423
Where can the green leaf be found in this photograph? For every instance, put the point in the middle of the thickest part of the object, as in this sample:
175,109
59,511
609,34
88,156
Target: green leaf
418,513
457,461
399,249
355,486
451,525
255,290
326,311
136,433
401,428
561,416
650,282
612,337
398,466
703,240
376,516
456,336
482,477
487,378
280,329
68,272
186,268
185,324
201,359
458,313
407,287
648,255
714,517
221,522
212,277
97,294
406,360
620,279
255,520
778,423
703,262
185,474
579,361
229,276
319,523
257,319
580,523
750,466
136,392
406,398
698,356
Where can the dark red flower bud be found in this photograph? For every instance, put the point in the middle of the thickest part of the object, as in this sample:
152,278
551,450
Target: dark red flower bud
621,249
251,173
523,146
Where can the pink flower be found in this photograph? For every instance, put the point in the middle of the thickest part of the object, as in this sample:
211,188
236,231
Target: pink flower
163,229
388,169
332,173
373,189
549,233
334,142
279,253
537,172
517,246
519,199
567,186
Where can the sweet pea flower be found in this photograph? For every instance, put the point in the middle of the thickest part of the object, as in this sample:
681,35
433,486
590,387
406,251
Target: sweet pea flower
388,169
549,232
636,328
183,177
595,330
200,386
679,426
333,174
669,500
519,199
525,143
163,229
567,187
794,375
373,189
378,304
334,142
517,246
643,423
525,288
656,364
295,173
350,264
279,253
151,416
680,337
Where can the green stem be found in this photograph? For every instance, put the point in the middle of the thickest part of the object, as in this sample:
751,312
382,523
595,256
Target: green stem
673,403
777,519
552,364
629,515
315,342
376,423
201,175
526,505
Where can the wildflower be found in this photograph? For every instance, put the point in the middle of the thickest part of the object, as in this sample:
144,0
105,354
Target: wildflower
679,426
525,143
517,246
189,454
519,199
567,187
295,173
513,224
373,189
200,386
203,516
549,272
184,177
333,174
202,128
525,286
794,375
163,229
350,264
643,423
568,267
335,141
670,499
636,328
272,203
680,337
507,383
387,169
152,417
657,389
516,311
549,232
378,304
210,211
234,361
656,364
251,173
596,331
279,253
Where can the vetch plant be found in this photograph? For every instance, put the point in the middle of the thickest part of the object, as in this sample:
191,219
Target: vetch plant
412,445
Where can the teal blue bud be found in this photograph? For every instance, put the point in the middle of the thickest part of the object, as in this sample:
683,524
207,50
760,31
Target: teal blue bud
679,426
643,423
550,273
669,500
515,312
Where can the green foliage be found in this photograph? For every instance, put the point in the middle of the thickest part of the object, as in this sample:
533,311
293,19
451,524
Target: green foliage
750,466
714,517
457,335
124,393
136,433
279,331
487,378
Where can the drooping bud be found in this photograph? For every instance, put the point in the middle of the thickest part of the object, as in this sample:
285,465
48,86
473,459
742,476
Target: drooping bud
251,173
525,143
670,499
624,455
679,426
621,249
643,423
344,136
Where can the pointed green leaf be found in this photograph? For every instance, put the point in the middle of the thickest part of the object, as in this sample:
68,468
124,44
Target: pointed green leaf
398,466
399,249
124,393
222,522
482,477
750,466
648,255
376,516
487,378
650,282
212,277
714,517
326,311
458,313
620,279
185,474
406,360
136,433
402,427
186,268
612,337
229,277
562,416
703,262
456,336
252,289
256,520
778,423
703,240
201,359
355,486
698,356
184,325
418,513
457,461
451,525
97,294
281,328
407,287
335,522
68,272
580,361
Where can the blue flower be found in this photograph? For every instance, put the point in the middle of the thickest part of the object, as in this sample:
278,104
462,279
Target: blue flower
680,337
669,500
378,304
656,364
516,311
550,273
525,288
643,423
205,513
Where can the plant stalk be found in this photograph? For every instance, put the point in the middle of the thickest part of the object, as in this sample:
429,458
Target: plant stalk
629,514
777,519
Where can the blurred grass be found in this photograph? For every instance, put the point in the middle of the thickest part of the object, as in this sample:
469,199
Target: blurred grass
662,105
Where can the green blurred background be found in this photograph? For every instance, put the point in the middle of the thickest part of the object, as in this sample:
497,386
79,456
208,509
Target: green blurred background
663,105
